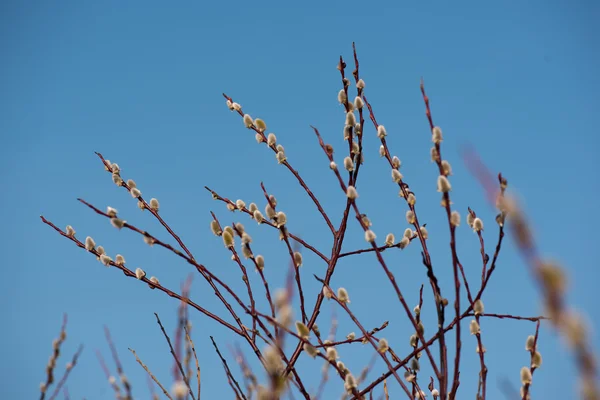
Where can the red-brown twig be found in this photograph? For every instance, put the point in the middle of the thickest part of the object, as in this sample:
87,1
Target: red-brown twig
191,344
548,276
366,334
293,171
53,358
151,376
245,210
115,356
127,272
532,366
434,338
283,231
109,377
177,361
68,370
150,209
426,258
235,386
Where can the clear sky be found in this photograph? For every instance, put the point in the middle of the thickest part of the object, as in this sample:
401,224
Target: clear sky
141,82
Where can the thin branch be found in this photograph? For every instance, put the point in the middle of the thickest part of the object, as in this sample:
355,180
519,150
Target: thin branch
68,370
234,384
292,170
53,358
191,342
151,374
185,378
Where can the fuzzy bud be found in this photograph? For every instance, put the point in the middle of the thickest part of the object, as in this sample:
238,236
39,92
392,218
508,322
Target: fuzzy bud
302,330
370,236
447,168
365,220
117,223
404,242
347,132
474,327
383,346
348,164
470,219
396,176
215,228
135,192
179,390
260,125
411,199
350,119
529,343
258,217
260,262
246,239
333,165
436,135
410,217
477,225
421,328
455,218
139,273
70,231
414,364
381,151
89,243
478,307
536,360
281,219
111,212
342,96
443,184
413,340
381,132
332,353
271,139
525,375
248,121
298,259
434,155
390,239
227,239
281,157
359,103
327,292
351,193
104,259
350,383
154,205
342,295
396,163
117,179
119,260
269,211
360,84
310,350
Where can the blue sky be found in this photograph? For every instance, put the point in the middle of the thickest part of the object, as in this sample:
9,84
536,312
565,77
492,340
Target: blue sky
141,83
